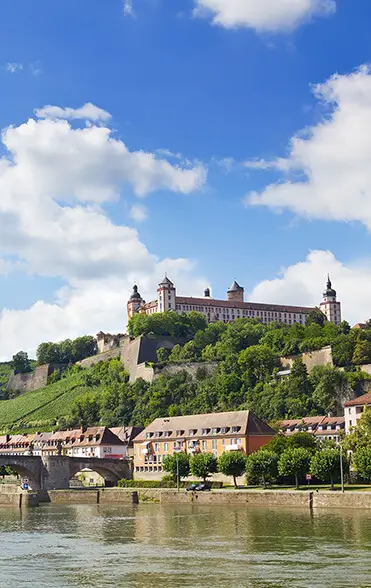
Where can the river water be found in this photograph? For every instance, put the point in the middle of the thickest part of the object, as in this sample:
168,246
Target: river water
154,546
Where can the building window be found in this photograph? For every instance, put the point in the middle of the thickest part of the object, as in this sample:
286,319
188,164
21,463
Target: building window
166,447
235,429
213,444
156,447
204,445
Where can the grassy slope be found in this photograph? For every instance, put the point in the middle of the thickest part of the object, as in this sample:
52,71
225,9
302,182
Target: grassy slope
41,409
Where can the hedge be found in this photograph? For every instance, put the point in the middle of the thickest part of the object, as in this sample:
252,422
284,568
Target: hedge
160,484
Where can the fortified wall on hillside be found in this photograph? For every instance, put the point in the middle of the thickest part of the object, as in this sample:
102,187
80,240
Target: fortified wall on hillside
34,380
310,358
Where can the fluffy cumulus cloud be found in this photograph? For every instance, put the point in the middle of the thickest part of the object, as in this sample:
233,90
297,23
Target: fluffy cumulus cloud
327,173
54,182
263,15
301,284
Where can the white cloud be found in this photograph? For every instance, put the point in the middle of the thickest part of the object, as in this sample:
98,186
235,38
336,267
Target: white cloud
87,112
53,183
128,8
263,15
138,213
14,67
328,168
300,284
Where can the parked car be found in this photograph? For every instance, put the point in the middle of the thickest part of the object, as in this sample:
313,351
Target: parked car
192,487
202,487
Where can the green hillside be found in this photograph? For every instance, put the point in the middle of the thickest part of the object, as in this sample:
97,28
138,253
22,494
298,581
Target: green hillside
5,371
247,376
45,408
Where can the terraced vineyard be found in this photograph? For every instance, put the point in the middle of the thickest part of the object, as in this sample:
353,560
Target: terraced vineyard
42,409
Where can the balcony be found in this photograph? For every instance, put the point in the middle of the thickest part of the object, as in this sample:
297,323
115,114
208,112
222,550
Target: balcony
233,447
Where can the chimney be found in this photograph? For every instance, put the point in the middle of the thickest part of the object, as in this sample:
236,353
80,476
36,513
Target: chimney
207,293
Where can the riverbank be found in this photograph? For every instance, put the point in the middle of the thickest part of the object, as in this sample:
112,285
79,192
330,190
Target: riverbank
14,496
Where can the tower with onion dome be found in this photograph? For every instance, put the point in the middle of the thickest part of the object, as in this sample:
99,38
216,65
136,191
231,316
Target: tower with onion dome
330,307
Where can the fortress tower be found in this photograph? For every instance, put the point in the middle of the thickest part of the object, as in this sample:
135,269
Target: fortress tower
166,295
135,301
235,292
329,305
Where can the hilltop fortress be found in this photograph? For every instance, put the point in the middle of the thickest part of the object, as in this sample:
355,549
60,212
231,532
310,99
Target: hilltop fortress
234,307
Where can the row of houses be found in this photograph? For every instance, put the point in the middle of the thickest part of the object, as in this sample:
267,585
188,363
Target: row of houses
98,442
212,433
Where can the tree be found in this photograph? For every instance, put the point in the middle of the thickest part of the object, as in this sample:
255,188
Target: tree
362,353
302,439
169,465
163,354
48,353
360,436
21,363
257,363
315,316
83,347
278,444
294,462
362,462
261,465
202,465
85,411
232,463
325,465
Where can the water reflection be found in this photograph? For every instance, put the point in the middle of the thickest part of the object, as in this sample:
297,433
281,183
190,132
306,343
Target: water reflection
186,545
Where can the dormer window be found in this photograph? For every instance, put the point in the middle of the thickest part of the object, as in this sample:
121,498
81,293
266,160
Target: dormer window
215,430
224,430
192,432
179,433
205,431
236,429
97,437
148,435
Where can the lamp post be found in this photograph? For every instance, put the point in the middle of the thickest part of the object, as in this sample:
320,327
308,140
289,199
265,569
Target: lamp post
341,468
177,471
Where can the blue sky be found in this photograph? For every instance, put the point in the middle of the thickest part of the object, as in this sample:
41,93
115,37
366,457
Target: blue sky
208,88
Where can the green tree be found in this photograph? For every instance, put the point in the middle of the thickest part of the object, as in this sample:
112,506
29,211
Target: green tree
202,465
362,462
48,353
257,363
169,465
232,463
83,347
261,466
325,465
21,363
360,436
162,354
278,444
85,411
302,439
362,353
317,317
294,463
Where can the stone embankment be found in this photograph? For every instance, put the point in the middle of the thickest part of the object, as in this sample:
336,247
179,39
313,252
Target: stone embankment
15,497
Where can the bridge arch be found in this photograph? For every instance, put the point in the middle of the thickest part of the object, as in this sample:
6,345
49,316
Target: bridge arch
27,468
110,470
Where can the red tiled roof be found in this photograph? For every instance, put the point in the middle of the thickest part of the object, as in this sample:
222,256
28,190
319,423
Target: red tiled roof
315,420
360,401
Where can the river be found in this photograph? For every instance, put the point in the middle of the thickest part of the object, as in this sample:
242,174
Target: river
154,546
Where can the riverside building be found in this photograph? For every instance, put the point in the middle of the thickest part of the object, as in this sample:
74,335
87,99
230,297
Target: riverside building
201,433
233,308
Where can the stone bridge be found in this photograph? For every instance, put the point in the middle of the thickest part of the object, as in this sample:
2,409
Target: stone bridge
55,471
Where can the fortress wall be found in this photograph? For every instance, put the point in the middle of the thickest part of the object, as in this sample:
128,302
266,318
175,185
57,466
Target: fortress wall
94,359
310,358
30,382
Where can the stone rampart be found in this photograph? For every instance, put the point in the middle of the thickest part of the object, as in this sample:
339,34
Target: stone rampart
310,358
192,368
34,380
94,359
